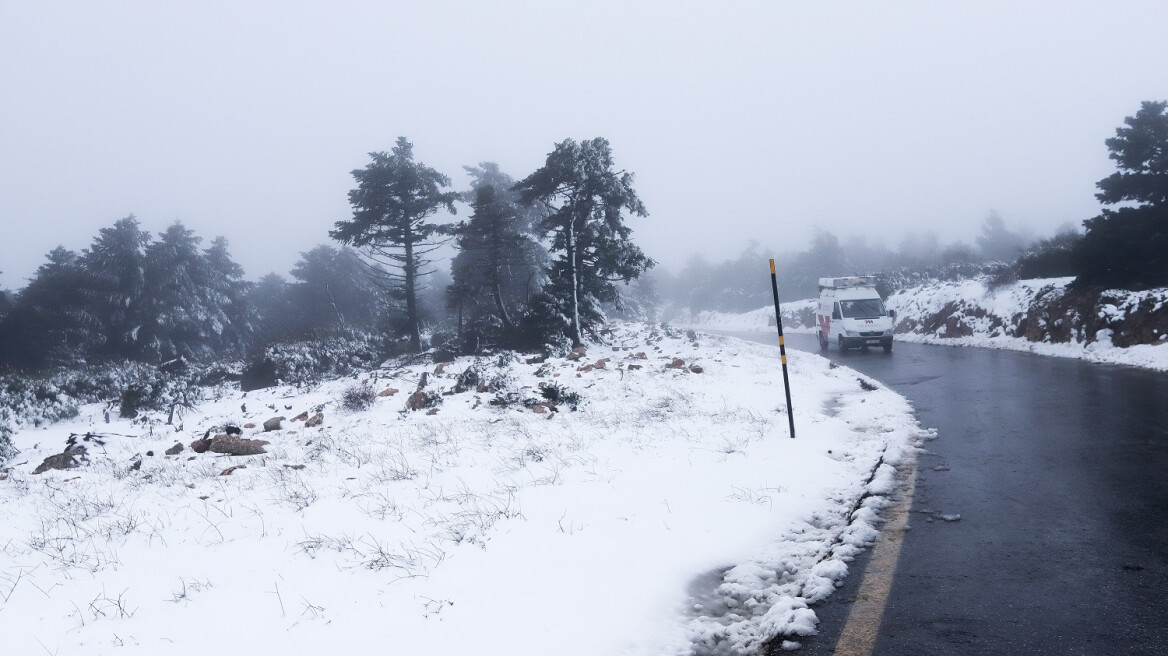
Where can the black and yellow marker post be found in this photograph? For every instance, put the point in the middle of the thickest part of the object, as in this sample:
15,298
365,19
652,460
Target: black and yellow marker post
782,350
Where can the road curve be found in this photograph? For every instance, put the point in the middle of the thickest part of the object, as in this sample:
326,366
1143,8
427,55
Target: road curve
1058,469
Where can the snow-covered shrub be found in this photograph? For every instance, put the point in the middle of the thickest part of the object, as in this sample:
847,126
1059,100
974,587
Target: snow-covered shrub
29,401
558,395
486,375
336,354
358,397
469,379
48,398
155,389
7,450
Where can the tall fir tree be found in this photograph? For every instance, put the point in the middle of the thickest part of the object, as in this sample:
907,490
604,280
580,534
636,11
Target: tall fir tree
392,205
585,200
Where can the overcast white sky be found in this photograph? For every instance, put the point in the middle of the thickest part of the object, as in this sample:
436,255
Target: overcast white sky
741,120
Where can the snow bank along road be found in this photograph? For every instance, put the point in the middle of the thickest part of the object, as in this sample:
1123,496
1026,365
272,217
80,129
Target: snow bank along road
1058,470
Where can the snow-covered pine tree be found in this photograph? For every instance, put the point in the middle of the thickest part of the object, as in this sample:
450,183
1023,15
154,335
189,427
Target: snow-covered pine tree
392,204
48,323
184,318
115,269
225,288
585,198
499,263
1126,246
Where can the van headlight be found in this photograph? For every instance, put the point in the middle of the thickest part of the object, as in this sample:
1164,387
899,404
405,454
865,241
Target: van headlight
849,333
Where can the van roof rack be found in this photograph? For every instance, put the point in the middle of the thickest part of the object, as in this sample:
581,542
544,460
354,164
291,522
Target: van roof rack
847,282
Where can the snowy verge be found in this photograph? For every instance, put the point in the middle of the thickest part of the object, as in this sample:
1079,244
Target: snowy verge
669,514
1037,316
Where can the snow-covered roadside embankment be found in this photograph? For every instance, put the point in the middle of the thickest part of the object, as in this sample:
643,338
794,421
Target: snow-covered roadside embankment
1039,316
670,513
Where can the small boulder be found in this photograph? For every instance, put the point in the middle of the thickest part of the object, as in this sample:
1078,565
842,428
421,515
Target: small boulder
314,421
237,446
634,367
67,460
697,369
389,391
577,353
249,425
601,363
273,424
201,445
417,400
432,411
175,450
640,355
301,417
677,363
441,368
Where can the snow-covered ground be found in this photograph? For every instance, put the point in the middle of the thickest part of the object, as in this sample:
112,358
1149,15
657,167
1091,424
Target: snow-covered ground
670,513
991,316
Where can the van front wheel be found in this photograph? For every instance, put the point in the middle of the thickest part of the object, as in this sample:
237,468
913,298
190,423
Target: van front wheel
844,348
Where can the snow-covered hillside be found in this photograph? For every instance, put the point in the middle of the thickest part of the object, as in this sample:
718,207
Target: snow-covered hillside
668,513
1040,316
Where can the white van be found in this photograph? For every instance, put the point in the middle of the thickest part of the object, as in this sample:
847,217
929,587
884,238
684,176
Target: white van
851,314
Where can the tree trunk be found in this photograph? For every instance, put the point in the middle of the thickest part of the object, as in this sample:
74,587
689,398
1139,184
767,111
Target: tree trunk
410,271
497,292
572,264
497,287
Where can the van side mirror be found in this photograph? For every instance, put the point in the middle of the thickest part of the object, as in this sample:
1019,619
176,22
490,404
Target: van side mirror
892,313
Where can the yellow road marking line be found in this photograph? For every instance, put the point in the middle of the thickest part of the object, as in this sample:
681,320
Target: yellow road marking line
858,637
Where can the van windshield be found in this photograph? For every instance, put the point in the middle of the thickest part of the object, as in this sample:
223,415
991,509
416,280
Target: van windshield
866,308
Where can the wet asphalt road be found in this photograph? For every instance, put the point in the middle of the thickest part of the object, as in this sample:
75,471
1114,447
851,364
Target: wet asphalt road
1059,470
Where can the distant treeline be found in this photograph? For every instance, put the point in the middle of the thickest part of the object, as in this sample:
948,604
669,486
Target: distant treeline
539,261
